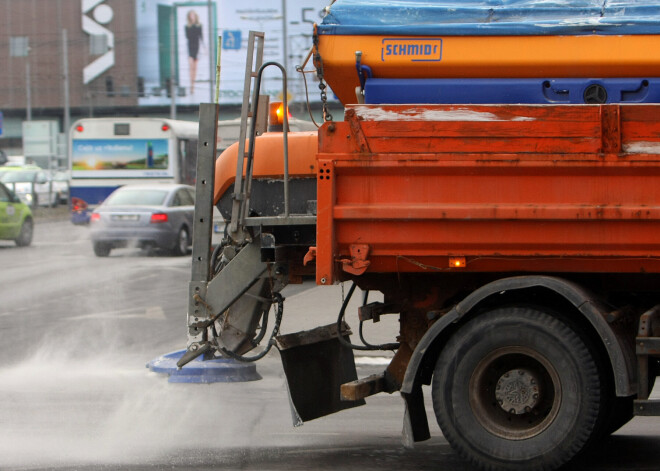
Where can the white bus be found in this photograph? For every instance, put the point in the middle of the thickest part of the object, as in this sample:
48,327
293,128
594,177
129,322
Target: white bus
106,153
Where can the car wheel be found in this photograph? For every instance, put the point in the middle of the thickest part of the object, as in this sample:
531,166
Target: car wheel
181,243
101,249
517,388
25,236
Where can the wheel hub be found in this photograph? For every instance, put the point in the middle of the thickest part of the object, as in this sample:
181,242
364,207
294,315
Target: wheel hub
517,391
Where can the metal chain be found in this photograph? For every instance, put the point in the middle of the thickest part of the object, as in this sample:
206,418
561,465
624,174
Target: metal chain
318,62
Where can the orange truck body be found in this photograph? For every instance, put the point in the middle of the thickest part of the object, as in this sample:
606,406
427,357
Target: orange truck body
518,243
439,188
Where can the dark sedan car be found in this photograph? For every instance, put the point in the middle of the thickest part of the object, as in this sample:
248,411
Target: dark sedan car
157,215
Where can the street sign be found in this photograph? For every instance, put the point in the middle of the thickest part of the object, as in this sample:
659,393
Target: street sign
231,39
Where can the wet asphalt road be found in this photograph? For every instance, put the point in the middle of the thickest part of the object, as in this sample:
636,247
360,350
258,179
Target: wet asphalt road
77,331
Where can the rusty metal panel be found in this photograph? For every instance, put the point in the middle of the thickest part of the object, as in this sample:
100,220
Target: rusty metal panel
530,188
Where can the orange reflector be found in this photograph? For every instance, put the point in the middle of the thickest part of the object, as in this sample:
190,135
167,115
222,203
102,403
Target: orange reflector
457,262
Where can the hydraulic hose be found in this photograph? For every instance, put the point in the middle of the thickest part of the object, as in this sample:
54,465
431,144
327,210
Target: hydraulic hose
343,341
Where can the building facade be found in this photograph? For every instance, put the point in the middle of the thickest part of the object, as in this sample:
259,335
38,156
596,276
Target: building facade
100,40
123,57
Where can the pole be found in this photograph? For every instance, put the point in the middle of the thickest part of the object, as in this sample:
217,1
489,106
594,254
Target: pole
285,35
210,41
65,80
28,89
217,71
172,68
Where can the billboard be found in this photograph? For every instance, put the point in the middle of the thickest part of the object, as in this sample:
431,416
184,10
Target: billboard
195,32
177,41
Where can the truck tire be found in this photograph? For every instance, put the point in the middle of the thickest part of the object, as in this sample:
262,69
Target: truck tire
517,388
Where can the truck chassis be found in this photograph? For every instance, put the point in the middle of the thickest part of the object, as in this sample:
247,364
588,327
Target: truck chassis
518,245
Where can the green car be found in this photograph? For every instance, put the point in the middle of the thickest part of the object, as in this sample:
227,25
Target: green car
15,218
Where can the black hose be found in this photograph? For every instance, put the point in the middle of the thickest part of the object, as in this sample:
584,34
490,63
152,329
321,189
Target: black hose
214,258
365,299
366,346
264,325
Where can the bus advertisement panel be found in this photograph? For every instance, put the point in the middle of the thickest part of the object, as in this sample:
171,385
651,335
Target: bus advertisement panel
107,158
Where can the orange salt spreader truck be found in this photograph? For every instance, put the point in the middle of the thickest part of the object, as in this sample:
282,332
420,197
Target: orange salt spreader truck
496,177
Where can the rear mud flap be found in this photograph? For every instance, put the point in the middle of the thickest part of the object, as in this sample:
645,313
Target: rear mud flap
316,364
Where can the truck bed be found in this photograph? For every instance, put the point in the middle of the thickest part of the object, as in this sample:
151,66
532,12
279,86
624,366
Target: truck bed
521,188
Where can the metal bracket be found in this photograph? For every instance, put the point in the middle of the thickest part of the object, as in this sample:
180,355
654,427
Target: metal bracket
360,141
646,346
365,387
358,262
376,309
647,408
310,256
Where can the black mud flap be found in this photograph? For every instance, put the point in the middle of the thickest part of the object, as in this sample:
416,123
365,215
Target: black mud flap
316,364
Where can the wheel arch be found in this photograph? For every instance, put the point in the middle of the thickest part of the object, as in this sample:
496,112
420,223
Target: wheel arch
568,293
185,226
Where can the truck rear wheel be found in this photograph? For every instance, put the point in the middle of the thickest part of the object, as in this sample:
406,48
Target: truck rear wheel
516,388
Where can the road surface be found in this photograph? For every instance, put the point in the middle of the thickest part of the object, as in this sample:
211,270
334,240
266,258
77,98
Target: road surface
77,331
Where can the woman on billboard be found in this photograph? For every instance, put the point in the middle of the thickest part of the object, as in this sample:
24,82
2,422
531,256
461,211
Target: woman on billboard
194,37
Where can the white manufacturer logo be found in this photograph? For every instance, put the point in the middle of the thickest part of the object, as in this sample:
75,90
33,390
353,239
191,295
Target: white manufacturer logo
102,15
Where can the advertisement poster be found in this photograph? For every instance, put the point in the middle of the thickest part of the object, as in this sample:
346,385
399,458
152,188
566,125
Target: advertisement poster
107,158
194,36
180,38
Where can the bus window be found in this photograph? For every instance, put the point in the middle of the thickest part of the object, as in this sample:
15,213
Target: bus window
187,160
